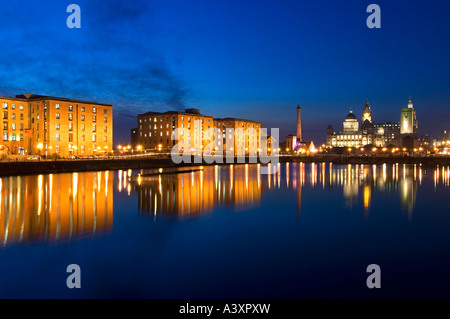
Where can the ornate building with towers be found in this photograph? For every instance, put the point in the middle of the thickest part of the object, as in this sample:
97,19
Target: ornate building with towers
352,135
403,133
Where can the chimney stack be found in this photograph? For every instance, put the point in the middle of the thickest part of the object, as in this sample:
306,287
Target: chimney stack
299,124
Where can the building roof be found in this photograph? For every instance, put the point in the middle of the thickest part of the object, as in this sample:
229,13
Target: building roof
172,112
197,114
234,119
35,97
350,116
367,124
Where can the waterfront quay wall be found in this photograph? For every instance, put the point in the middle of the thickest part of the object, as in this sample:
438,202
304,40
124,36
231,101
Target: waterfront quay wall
12,168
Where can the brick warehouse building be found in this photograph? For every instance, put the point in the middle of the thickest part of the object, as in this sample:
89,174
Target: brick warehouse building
45,125
155,130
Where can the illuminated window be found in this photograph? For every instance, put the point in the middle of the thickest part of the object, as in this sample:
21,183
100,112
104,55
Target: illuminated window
82,117
57,137
82,109
56,106
70,127
57,116
57,126
82,127
5,105
70,108
94,110
94,127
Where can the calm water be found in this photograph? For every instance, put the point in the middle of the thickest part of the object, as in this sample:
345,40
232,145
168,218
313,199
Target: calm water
308,231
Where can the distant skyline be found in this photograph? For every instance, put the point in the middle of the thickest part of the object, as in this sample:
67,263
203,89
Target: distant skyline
247,59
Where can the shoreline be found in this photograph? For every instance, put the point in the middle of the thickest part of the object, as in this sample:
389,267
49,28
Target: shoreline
71,166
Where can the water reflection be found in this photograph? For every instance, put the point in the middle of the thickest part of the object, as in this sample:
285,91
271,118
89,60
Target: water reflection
199,191
60,207
55,207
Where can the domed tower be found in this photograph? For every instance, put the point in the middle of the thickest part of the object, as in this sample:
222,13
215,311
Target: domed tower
367,113
351,123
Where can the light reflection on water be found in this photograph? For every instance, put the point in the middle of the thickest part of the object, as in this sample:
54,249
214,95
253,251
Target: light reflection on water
55,207
60,207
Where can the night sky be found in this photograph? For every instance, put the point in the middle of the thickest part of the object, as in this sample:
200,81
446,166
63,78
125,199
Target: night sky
235,58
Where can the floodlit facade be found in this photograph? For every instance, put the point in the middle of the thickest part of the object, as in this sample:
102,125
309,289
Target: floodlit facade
377,134
44,125
194,132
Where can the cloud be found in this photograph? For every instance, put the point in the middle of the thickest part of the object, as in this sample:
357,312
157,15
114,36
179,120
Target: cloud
111,59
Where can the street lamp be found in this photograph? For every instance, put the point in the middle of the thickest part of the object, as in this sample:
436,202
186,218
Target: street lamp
39,147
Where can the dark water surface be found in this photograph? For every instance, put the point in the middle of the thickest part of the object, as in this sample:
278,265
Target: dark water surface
308,231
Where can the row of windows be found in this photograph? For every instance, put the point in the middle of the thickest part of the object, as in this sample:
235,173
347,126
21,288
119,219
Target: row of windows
13,106
12,137
83,138
13,126
94,117
82,109
82,127
349,137
155,119
13,116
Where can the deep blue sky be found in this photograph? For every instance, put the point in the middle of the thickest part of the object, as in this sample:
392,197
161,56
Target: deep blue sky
251,59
